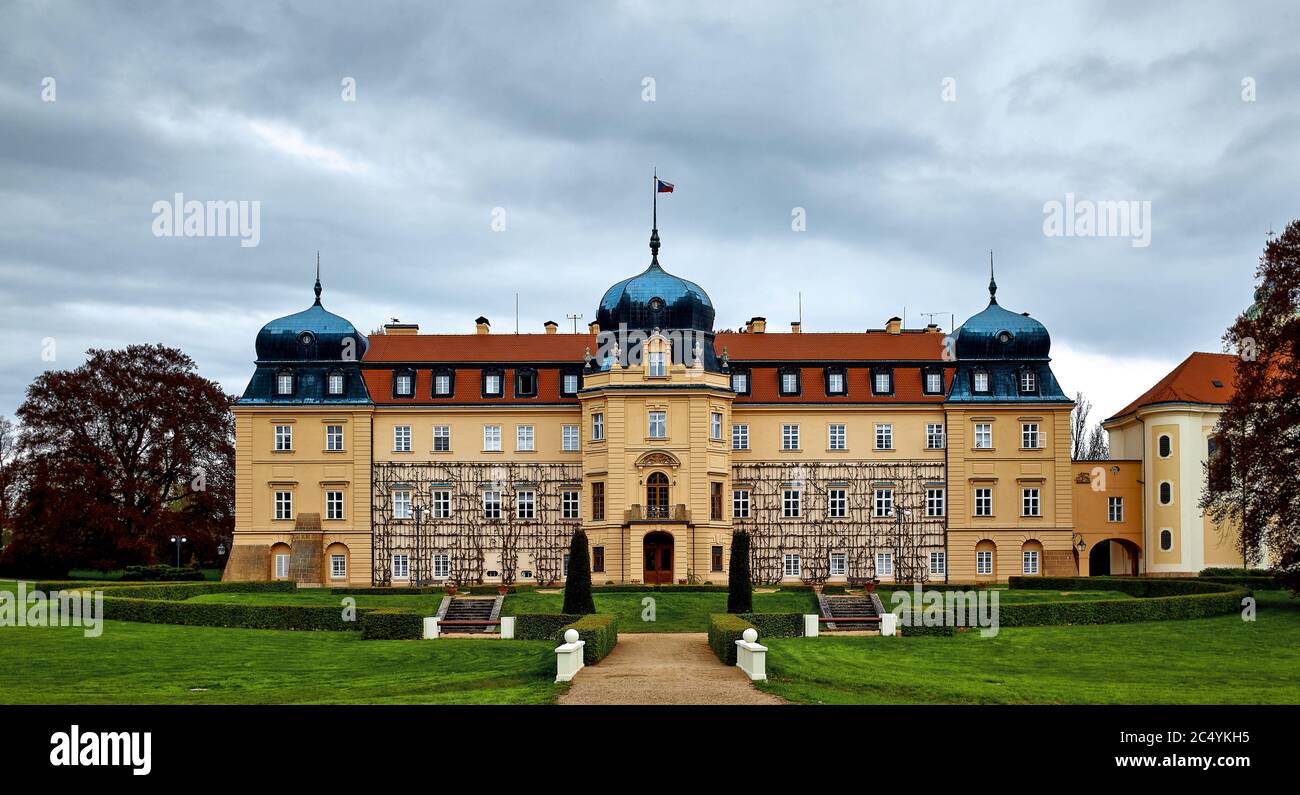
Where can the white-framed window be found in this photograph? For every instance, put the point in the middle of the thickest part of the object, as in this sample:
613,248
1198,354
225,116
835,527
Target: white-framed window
440,503
884,502
1030,561
739,437
1166,539
740,382
740,503
1028,382
934,501
401,567
658,422
442,384
884,436
981,381
884,564
569,438
402,504
984,501
984,562
338,567
597,427
789,437
333,505
284,384
401,438
1030,439
789,383
569,384
658,365
883,383
491,504
334,438
791,503
569,504
938,562
934,436
284,437
1114,509
1029,502
837,503
492,438
441,567
1166,492
281,566
524,438
835,383
715,426
284,505
839,564
492,384
933,382
442,438
402,384
525,505
838,436
791,566
983,435
334,383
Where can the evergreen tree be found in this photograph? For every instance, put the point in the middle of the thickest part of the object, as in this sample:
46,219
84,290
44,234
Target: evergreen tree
740,591
577,586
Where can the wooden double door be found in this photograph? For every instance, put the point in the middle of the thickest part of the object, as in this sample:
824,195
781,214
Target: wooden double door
658,559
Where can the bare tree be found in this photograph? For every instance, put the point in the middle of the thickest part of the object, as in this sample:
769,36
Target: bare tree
1079,427
1098,447
10,484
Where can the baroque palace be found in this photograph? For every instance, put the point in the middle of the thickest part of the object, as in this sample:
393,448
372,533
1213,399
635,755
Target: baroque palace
909,455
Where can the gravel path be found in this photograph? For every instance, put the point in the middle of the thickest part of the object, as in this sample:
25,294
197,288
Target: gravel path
663,668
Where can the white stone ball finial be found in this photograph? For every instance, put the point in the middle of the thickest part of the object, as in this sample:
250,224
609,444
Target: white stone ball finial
571,636
750,635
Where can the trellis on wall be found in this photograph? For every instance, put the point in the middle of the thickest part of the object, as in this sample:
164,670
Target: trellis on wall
907,532
467,536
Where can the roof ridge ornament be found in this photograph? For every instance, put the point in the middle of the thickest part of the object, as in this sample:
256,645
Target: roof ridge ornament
317,288
993,285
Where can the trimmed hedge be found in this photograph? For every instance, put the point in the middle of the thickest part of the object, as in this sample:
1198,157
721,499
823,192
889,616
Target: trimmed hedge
1262,583
946,630
776,625
392,624
389,591
724,630
162,572
1235,571
1157,599
542,626
598,630
635,588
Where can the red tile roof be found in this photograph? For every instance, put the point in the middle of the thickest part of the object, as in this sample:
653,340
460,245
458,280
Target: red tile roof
837,346
506,348
468,388
1191,382
764,383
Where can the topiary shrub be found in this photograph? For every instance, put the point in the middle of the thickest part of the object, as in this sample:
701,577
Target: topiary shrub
776,625
598,631
391,624
541,626
577,585
740,590
724,630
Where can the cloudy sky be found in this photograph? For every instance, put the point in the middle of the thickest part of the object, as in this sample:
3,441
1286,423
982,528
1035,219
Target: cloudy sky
914,137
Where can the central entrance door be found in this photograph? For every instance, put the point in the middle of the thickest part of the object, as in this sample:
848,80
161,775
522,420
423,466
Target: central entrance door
658,559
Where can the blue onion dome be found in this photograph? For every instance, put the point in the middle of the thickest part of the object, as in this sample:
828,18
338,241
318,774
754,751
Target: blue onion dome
654,299
313,334
998,333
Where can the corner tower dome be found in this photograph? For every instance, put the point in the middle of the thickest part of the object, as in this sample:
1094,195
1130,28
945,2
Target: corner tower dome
313,334
998,333
654,299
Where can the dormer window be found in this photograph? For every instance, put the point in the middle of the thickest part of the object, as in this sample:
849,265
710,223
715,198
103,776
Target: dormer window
980,382
404,383
657,366
836,383
932,382
1028,382
492,383
570,382
284,382
444,382
334,383
740,382
525,382
882,382
789,381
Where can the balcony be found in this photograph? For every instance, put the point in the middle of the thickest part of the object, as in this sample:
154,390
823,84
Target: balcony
657,513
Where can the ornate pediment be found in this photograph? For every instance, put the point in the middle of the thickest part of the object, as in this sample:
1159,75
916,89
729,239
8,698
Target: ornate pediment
658,458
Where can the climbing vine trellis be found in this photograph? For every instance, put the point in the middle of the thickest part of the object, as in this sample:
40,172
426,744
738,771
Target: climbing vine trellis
467,536
907,533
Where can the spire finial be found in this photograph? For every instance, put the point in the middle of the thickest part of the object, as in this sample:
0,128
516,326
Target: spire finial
317,277
993,285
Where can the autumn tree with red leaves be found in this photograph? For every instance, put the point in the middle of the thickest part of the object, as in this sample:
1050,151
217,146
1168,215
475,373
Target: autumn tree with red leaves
120,454
1253,475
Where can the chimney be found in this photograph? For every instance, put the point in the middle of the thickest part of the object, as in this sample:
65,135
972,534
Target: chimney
795,327
551,326
401,329
593,327
933,329
757,325
482,325
894,325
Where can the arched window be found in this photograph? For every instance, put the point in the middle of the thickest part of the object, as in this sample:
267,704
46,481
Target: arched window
1166,446
1166,493
656,496
1166,539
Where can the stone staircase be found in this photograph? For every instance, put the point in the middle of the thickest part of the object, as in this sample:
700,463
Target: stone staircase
867,607
306,550
470,608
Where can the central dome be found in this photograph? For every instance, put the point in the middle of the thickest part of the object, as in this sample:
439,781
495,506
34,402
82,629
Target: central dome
654,299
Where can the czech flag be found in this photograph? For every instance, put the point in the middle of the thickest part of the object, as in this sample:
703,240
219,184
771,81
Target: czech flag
663,187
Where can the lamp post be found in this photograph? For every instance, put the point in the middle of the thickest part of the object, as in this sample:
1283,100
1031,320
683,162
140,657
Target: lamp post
178,540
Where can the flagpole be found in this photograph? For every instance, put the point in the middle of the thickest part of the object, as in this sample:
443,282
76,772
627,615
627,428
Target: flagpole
654,199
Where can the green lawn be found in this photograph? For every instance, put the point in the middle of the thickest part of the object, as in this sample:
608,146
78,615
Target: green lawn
321,597
1007,596
1204,661
674,611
